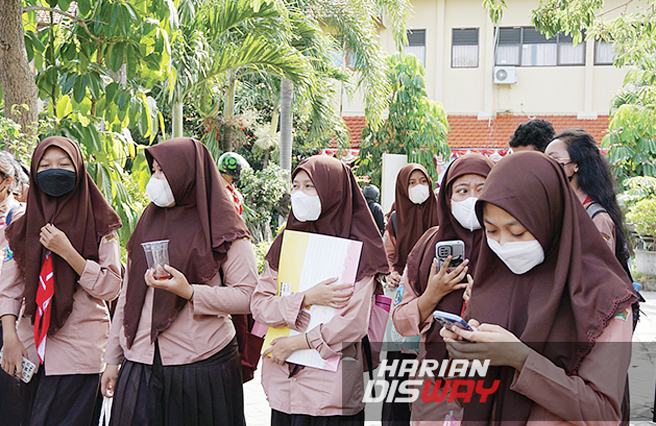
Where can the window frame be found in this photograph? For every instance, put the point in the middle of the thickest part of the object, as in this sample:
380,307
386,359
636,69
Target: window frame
477,44
418,31
596,61
555,40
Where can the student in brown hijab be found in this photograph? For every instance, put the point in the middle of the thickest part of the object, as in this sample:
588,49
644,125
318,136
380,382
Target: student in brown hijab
325,200
546,282
413,212
64,261
427,288
173,338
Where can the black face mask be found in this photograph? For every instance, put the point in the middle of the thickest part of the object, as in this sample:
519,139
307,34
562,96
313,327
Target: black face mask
56,182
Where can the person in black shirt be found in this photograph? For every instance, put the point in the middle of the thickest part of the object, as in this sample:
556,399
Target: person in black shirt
372,195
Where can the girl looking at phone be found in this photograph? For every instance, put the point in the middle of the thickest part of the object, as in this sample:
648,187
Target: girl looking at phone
63,261
546,283
325,200
426,287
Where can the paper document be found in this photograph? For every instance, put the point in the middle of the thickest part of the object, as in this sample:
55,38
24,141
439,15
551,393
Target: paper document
306,259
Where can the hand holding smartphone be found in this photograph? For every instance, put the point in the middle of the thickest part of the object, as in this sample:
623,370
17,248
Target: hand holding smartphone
28,369
449,321
453,248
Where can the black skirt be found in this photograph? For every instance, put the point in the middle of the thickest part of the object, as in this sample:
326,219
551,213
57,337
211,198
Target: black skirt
282,419
60,400
207,392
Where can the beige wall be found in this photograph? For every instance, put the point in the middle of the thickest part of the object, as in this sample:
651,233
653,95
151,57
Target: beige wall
582,90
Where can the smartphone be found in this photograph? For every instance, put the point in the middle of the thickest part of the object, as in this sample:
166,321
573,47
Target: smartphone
449,321
28,368
454,248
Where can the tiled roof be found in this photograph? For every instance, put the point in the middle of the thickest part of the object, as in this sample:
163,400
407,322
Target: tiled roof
355,125
467,131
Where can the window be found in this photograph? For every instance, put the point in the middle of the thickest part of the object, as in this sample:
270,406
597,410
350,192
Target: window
529,48
338,56
417,44
568,53
604,54
464,48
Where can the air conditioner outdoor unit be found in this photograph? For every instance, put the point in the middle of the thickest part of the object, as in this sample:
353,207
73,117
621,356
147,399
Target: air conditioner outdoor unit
504,75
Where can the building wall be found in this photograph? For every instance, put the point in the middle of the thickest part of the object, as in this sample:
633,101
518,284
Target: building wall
582,90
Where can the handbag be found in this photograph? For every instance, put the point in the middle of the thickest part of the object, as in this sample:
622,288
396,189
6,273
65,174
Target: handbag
372,343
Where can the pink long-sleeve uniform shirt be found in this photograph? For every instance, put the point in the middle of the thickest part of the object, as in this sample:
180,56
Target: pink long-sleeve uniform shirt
595,394
313,391
203,326
77,348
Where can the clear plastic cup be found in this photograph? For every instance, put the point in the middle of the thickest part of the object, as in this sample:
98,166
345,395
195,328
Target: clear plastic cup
157,255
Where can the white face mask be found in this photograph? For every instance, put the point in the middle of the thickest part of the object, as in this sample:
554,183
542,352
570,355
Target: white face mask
465,213
305,207
419,193
519,256
159,192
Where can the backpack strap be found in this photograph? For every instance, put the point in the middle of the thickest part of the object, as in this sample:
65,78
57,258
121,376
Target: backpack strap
366,347
394,223
594,208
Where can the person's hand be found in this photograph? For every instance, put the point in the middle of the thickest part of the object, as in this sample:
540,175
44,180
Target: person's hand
12,355
392,281
327,294
55,240
282,347
442,282
108,380
177,284
468,290
487,341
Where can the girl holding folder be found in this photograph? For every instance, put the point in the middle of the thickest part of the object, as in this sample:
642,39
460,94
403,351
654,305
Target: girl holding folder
325,200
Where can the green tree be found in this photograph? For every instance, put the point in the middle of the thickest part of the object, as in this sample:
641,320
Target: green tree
632,131
356,24
97,65
416,125
222,41
262,191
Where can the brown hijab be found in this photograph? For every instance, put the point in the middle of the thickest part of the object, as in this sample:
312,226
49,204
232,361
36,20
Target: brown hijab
412,220
421,257
560,307
344,213
200,227
83,215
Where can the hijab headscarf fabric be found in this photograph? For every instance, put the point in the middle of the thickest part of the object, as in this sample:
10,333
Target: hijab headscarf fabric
421,257
560,307
200,227
83,215
344,214
412,220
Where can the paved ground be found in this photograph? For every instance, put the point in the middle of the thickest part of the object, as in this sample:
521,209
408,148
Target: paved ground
642,374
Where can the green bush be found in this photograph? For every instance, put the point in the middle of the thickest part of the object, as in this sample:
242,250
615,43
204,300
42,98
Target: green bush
263,190
261,249
643,216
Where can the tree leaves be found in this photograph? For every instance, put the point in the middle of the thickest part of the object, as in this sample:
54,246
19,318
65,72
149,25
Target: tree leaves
416,126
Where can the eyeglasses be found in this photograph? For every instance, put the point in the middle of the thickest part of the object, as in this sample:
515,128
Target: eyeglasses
563,162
